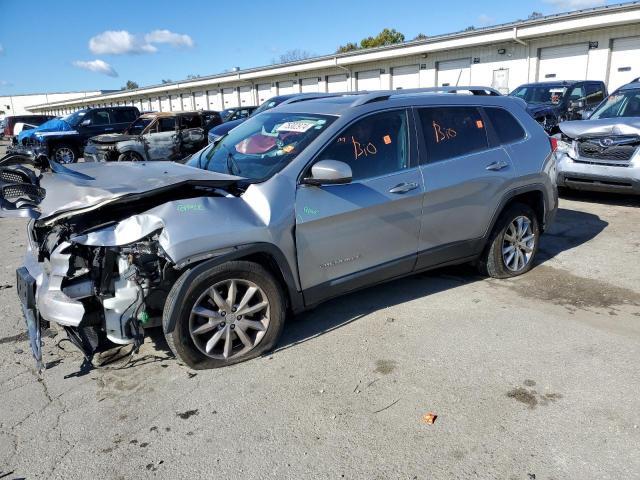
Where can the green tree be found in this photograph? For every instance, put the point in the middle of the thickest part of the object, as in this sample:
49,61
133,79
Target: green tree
348,47
166,80
294,55
534,15
385,37
130,85
420,36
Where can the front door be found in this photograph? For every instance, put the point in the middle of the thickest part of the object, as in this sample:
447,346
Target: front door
366,231
465,175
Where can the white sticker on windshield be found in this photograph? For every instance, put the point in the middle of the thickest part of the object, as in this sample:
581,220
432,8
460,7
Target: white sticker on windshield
300,126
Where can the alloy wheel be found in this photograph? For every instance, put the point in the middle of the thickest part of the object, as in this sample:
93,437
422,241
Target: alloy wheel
65,155
229,319
518,244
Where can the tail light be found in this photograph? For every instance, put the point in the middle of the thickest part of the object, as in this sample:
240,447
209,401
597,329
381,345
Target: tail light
7,131
554,143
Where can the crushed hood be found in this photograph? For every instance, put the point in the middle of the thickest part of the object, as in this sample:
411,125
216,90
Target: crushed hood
536,109
601,127
87,186
55,125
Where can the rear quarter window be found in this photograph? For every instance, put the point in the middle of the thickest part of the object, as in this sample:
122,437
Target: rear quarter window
507,128
123,116
451,132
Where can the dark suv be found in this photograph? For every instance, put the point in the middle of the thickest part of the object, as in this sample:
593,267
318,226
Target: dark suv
64,139
550,103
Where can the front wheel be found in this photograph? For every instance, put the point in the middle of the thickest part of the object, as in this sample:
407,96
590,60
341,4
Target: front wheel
226,314
130,157
513,243
65,154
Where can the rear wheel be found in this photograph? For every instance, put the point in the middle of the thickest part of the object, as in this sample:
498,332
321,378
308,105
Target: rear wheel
64,154
513,243
227,314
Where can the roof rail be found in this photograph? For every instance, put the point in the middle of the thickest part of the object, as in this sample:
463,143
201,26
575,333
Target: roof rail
385,95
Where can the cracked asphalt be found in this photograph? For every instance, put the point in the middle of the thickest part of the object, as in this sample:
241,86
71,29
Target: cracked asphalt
535,377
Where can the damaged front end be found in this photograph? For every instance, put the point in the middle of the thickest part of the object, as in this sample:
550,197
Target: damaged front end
94,263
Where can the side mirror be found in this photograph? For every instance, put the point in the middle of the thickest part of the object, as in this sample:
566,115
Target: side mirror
329,172
577,104
86,123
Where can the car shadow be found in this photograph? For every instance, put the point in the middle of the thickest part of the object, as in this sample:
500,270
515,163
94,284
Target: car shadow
571,229
349,308
614,199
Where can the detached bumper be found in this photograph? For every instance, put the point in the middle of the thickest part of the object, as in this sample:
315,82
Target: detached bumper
599,178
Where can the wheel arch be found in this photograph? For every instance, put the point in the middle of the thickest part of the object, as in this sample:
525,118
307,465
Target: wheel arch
267,255
533,195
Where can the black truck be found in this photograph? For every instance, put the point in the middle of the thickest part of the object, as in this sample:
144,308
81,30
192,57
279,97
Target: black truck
64,139
553,102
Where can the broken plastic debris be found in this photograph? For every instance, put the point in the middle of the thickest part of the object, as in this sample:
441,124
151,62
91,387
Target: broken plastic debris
429,418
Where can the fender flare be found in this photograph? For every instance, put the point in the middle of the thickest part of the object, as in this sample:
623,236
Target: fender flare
237,253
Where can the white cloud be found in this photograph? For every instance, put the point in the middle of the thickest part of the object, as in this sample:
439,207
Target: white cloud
120,42
98,66
485,20
4,83
574,4
167,36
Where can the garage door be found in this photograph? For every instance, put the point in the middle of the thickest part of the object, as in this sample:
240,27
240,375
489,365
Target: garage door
165,104
176,103
337,83
264,93
246,96
624,62
405,77
285,88
200,101
310,85
187,102
454,72
567,62
215,103
229,98
368,80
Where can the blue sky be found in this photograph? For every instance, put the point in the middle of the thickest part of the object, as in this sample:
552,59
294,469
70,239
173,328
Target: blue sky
61,45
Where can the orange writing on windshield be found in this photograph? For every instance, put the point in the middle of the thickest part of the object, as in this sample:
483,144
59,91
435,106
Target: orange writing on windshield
443,134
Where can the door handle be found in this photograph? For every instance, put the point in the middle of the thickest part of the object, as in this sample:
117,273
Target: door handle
404,187
499,165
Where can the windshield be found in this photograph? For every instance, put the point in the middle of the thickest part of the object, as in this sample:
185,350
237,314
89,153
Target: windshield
227,113
75,118
267,105
263,145
137,127
545,94
619,104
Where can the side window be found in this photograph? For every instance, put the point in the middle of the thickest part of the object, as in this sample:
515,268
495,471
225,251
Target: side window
505,125
124,116
452,132
374,146
167,124
100,117
191,121
577,93
595,93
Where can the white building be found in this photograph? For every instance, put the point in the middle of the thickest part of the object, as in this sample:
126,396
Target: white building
597,44
20,104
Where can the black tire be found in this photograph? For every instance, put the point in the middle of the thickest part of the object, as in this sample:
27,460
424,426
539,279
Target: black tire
492,262
188,289
65,154
130,157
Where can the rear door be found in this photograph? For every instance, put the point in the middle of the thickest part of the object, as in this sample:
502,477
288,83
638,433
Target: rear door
121,118
465,175
365,231
192,136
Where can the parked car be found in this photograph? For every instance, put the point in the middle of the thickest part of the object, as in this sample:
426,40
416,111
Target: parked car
231,114
9,123
64,139
155,136
603,152
553,102
221,130
295,206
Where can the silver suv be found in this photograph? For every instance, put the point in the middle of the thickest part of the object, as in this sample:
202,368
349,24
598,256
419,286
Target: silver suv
295,206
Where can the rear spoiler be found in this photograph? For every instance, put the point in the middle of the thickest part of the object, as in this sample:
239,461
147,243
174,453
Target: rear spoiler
20,191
